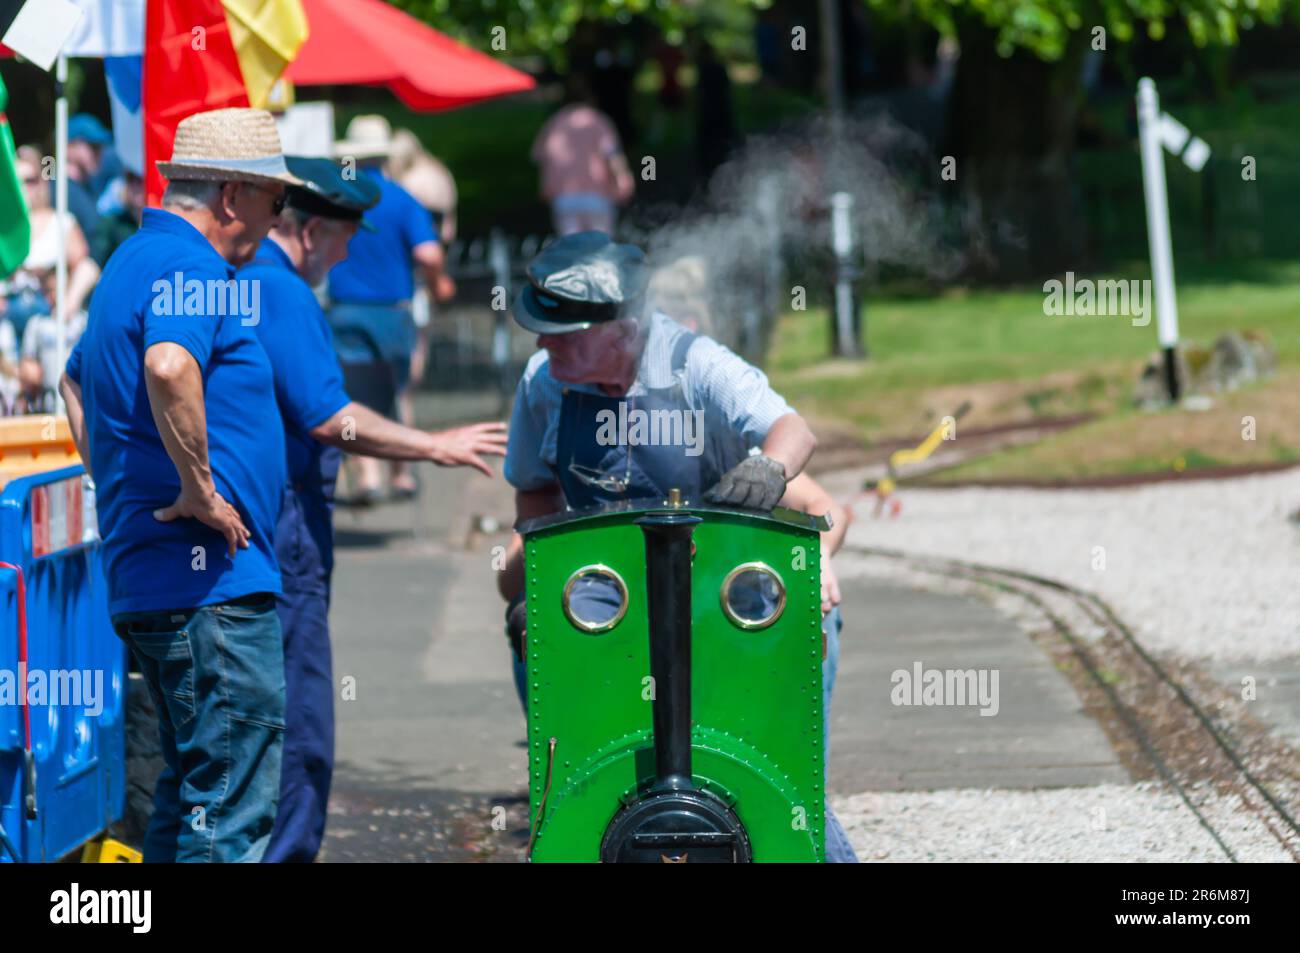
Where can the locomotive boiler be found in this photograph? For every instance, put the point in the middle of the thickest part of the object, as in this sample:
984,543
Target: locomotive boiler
674,689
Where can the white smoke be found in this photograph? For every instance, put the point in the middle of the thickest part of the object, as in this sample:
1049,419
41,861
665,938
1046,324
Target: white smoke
762,225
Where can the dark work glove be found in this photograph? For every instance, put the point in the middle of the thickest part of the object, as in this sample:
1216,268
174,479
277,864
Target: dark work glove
756,482
517,625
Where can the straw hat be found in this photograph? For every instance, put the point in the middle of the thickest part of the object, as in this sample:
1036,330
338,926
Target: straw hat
368,137
228,145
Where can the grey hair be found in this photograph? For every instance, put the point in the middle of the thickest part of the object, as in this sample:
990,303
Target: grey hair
190,195
295,218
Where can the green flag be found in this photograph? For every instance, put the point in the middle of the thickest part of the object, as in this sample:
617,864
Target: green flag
15,229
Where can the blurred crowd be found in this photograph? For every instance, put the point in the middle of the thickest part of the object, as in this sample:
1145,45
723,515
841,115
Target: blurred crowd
104,203
388,290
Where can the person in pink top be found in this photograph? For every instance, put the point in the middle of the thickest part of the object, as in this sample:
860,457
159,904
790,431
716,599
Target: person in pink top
584,174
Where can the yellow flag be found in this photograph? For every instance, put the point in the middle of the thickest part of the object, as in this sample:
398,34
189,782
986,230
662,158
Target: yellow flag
267,35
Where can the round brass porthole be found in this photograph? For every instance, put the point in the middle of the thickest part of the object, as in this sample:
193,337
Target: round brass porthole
595,599
753,596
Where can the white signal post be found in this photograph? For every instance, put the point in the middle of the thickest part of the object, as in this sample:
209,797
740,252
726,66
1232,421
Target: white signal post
1157,131
848,342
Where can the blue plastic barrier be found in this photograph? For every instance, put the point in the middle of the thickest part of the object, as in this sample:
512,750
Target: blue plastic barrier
68,784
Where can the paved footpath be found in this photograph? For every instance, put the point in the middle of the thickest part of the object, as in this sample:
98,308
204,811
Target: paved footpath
430,763
430,748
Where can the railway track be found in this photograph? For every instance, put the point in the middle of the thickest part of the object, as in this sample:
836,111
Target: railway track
1155,712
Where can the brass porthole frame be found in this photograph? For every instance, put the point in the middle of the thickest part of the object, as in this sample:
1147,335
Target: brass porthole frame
587,627
745,624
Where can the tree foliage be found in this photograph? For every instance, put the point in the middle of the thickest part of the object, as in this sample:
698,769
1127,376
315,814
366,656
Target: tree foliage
1041,26
1045,26
543,26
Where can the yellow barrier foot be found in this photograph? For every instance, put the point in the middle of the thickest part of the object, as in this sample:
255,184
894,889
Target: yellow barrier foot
109,851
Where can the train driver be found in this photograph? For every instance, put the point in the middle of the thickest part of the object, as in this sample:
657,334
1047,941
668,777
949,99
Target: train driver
606,364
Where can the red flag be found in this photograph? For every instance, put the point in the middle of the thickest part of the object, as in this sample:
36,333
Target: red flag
189,66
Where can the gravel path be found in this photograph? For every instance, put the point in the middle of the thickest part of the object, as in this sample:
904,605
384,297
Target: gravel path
1106,823
1206,570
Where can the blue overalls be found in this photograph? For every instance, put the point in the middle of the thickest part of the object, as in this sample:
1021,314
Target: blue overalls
309,389
304,547
650,471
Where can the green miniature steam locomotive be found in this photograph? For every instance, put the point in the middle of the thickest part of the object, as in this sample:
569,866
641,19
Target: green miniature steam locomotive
674,685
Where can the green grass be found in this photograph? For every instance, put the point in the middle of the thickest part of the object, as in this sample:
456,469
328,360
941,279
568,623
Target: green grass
1127,443
986,335
998,348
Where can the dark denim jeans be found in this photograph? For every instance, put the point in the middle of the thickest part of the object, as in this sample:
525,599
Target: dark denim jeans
390,327
216,674
838,848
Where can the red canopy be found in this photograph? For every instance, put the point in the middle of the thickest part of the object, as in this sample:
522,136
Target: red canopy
369,43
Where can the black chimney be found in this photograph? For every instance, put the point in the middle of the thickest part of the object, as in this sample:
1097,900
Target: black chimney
668,594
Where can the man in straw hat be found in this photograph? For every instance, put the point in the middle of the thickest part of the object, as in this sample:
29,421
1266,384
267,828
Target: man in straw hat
320,419
372,289
168,395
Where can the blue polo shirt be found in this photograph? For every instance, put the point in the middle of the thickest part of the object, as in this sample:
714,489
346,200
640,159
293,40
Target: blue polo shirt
378,268
308,380
156,288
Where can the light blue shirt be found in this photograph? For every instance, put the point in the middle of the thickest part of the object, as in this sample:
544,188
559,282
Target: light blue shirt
735,397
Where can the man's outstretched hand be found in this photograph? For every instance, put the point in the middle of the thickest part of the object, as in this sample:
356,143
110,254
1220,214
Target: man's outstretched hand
211,509
466,446
757,483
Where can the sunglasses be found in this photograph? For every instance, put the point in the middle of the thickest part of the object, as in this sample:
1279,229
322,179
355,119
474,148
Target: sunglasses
607,482
277,206
278,203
